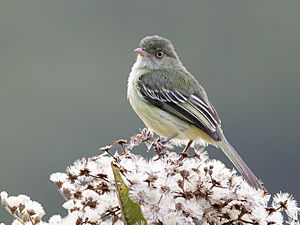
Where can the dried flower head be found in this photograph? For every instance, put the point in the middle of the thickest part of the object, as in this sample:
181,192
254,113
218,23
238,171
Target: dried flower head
170,189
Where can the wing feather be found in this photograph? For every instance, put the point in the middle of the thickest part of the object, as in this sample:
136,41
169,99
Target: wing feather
190,107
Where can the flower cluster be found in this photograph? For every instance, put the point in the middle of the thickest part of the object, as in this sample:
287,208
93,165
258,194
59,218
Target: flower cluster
22,208
170,189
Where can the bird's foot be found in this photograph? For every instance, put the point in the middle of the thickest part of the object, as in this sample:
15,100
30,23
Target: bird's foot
159,148
183,156
185,152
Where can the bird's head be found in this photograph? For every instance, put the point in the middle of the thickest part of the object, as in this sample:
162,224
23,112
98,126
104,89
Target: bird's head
156,52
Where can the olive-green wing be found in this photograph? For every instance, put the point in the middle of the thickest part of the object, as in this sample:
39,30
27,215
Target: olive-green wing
180,95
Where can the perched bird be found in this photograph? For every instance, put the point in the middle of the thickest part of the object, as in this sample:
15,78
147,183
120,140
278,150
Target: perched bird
172,103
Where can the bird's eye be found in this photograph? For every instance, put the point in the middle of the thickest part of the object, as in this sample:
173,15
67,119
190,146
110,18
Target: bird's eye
159,54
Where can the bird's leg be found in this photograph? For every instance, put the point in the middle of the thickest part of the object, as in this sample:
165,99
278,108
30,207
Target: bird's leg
167,139
159,145
185,152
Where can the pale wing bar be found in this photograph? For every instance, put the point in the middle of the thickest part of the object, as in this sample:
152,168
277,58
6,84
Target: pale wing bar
208,108
189,108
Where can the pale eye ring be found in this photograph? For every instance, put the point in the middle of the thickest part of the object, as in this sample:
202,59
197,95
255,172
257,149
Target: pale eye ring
159,54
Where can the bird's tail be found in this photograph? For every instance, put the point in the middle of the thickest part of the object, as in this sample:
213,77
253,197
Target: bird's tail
239,163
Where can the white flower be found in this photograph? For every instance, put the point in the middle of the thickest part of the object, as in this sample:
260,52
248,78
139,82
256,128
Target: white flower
15,200
193,208
109,222
90,194
17,222
144,194
71,205
72,217
22,207
153,213
68,187
175,218
286,202
58,177
91,215
55,219
275,218
260,214
3,196
107,202
35,207
170,192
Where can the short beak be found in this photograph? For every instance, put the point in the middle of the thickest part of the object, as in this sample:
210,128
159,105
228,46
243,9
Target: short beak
140,51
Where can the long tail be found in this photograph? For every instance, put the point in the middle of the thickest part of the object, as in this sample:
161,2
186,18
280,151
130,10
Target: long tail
239,163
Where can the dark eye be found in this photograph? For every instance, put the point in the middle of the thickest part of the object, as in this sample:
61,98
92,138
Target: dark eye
159,54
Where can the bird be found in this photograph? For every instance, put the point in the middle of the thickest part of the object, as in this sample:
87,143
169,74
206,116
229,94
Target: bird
173,104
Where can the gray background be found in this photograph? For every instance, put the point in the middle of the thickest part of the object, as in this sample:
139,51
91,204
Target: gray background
64,68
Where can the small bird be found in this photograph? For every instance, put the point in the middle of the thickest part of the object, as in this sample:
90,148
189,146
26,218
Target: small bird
172,103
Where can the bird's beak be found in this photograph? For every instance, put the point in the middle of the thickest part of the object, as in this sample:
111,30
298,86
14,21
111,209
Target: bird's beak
140,51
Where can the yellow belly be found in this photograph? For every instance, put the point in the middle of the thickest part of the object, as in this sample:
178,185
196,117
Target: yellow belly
165,125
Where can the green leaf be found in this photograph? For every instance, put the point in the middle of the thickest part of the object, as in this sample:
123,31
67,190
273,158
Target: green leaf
131,211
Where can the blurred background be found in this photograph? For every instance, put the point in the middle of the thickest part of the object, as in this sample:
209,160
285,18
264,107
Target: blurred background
63,74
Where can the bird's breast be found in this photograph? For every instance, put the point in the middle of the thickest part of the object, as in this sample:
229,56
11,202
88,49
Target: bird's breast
160,121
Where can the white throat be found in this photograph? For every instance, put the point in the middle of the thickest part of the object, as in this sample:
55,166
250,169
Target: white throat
137,70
